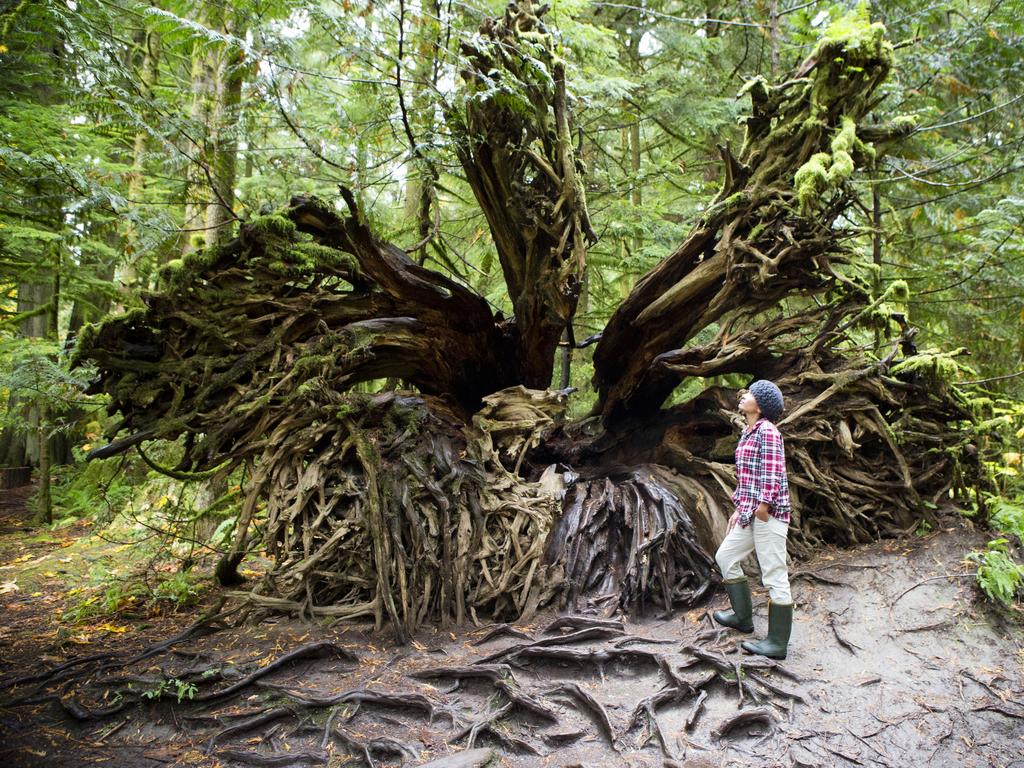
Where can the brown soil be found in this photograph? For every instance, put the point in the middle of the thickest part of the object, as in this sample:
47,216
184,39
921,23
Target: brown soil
894,659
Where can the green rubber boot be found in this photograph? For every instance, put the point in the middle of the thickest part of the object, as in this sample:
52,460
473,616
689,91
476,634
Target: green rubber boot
780,625
741,616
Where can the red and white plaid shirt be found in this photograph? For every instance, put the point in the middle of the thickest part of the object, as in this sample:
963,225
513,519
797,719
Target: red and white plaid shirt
761,473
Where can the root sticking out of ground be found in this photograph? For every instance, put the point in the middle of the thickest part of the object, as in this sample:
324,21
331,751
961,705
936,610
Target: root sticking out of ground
891,662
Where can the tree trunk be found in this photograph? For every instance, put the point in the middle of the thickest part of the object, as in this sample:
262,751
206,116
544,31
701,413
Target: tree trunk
421,78
127,275
228,76
21,446
197,148
45,514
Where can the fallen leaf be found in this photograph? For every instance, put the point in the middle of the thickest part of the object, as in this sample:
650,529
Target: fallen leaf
113,628
7,587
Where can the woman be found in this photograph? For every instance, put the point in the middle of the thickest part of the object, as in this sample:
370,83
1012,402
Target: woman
760,523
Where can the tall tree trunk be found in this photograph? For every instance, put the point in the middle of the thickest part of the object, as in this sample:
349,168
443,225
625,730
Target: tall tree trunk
45,500
127,274
19,447
773,34
228,71
416,82
196,141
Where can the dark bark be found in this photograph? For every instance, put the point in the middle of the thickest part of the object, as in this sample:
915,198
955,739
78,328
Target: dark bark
761,239
521,163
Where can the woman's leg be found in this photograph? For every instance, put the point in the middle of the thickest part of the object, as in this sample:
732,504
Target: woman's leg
738,543
770,545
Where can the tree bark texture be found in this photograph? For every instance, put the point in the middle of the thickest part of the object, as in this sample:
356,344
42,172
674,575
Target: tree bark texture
516,142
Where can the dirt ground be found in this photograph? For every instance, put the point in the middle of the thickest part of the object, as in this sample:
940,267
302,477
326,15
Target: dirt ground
893,662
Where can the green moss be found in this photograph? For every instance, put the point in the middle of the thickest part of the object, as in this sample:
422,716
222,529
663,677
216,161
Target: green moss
842,168
757,88
811,179
826,171
84,343
310,363
904,123
940,367
846,137
273,225
898,290
854,36
133,318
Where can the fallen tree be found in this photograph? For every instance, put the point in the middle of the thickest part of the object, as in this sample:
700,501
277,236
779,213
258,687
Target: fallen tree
467,490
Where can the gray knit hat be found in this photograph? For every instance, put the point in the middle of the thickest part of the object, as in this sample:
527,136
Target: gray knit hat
769,399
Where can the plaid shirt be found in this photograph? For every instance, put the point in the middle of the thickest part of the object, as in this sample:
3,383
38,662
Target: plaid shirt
761,473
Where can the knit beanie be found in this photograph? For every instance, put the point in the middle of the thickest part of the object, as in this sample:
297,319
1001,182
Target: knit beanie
769,399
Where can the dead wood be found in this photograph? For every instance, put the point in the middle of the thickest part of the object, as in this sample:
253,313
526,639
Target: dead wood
579,636
839,638
589,704
409,507
745,718
564,738
695,711
283,759
502,630
249,724
525,701
488,717
358,696
471,758
582,622
311,651
492,672
1002,709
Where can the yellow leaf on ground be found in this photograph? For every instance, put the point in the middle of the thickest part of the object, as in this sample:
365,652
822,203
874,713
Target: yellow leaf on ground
113,628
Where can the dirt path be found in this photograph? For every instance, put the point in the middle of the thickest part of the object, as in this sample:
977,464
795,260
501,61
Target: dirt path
892,663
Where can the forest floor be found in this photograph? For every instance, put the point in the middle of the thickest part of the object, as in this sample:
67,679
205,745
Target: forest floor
893,662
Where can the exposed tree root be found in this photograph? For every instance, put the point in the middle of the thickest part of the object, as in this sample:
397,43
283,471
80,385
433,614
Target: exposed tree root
473,498
495,705
743,719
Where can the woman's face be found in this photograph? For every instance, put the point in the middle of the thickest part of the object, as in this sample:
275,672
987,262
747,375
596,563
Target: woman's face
747,403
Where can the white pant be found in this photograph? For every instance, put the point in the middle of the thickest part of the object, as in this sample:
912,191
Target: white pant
768,539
